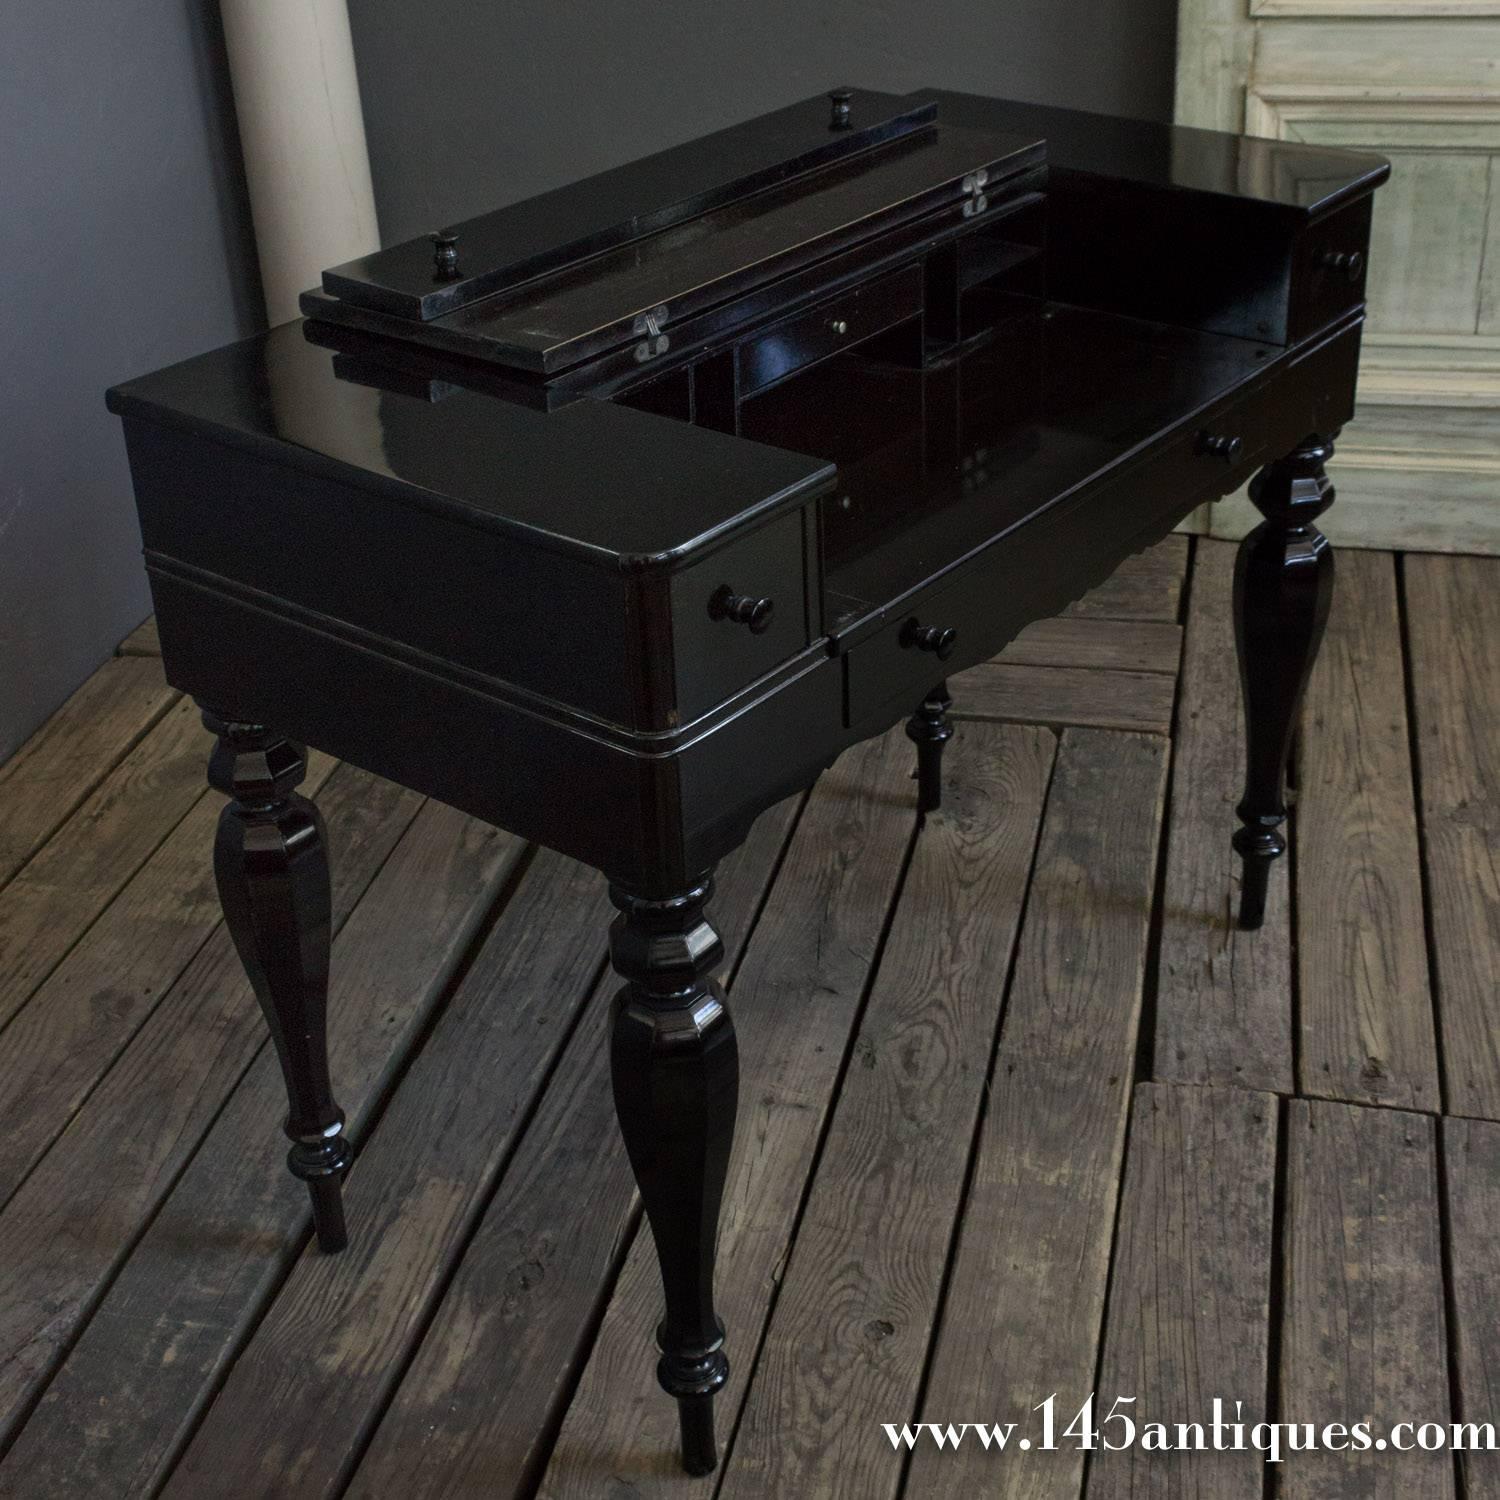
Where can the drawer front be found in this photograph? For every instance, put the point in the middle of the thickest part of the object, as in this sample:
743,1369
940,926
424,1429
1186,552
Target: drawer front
1329,265
720,641
1047,563
1028,575
828,328
1243,435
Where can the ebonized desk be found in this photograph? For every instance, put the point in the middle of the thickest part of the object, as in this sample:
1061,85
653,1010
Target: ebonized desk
614,516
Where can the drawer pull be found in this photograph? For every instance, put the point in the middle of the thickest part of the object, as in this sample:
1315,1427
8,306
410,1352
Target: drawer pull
839,326
741,609
1348,262
938,639
1217,446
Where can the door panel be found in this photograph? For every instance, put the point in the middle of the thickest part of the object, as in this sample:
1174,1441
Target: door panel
1416,81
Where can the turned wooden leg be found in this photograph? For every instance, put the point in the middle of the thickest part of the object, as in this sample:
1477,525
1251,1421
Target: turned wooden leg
272,874
1283,583
929,729
676,1076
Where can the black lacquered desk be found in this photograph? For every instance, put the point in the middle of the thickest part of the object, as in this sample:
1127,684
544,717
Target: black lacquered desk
612,517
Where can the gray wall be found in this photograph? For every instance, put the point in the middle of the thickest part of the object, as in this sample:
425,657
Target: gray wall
124,244
470,104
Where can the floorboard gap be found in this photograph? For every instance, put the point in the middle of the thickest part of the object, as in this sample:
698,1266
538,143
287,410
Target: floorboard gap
977,1135
1424,863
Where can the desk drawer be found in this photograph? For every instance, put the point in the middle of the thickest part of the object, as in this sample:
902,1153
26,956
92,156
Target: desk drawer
1039,569
739,613
1328,269
1046,562
832,326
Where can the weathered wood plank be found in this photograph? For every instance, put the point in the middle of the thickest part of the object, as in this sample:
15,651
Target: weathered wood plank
1224,997
75,1025
289,1423
47,779
306,1386
142,641
1025,1301
1367,1030
848,1339
796,1000
1000,693
1363,1334
1189,1298
82,1210
1453,617
84,865
1147,586
1471,1170
1109,645
130,1389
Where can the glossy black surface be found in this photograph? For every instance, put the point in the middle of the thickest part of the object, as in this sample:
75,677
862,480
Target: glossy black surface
622,488
1305,180
935,462
605,300
612,374
271,867
675,1070
623,609
498,249
1283,586
929,729
1224,233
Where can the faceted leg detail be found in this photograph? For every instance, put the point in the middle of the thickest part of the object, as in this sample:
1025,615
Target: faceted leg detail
272,872
676,1078
929,729
1283,585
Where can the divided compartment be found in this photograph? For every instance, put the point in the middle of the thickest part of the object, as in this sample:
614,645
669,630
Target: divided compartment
987,276
918,447
969,405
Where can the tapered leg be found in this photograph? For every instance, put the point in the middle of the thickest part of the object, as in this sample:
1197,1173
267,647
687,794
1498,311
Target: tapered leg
272,874
1283,584
676,1077
929,729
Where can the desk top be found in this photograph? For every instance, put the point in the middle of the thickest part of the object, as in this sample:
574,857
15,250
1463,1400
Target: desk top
1295,180
1049,402
611,485
632,489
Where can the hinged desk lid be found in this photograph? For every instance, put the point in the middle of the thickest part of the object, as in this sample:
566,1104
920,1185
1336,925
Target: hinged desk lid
561,278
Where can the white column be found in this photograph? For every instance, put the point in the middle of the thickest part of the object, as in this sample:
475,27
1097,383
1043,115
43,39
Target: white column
303,135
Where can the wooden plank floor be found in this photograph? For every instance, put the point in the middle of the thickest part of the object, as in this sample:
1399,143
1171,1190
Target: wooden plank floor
1022,1117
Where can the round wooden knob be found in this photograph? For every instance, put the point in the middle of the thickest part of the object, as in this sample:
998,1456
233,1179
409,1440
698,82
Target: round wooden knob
1215,445
939,640
741,609
1347,263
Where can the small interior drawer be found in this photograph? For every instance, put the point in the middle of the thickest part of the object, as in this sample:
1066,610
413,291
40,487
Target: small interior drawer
1329,264
833,325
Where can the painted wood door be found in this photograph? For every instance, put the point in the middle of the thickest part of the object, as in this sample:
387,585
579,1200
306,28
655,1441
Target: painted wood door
1419,82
